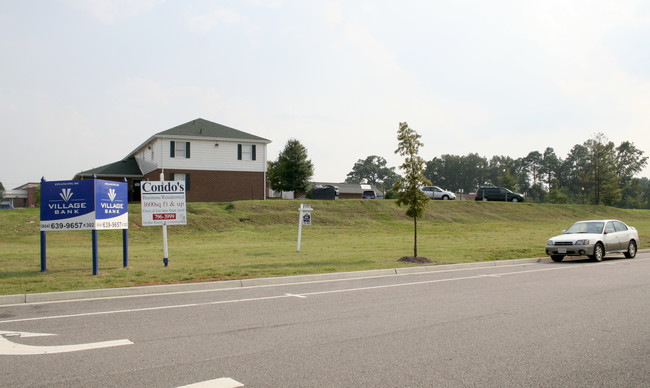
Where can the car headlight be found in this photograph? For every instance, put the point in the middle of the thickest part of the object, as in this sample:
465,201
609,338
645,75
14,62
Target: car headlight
549,242
582,242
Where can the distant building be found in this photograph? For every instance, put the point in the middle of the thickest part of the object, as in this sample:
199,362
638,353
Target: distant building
217,163
22,196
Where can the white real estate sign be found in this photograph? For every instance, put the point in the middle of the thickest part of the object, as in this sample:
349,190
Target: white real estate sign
163,203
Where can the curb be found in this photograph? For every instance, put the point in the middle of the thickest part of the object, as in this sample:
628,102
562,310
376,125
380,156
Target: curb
257,282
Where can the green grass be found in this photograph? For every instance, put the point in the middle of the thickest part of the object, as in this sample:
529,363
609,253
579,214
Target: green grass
259,239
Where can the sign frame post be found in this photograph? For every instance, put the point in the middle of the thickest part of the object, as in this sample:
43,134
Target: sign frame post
95,253
43,251
163,203
305,219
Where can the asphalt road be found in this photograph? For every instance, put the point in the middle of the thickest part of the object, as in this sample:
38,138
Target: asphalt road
575,323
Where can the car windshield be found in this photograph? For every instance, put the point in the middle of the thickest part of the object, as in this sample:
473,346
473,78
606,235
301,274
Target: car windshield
586,227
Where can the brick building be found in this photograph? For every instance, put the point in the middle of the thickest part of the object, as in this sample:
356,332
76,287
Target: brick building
217,163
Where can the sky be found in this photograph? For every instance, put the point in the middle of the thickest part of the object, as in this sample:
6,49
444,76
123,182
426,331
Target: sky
84,82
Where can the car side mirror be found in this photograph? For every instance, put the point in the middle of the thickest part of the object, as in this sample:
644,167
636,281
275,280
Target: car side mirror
563,231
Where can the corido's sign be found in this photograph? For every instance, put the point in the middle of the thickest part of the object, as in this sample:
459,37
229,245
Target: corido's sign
163,203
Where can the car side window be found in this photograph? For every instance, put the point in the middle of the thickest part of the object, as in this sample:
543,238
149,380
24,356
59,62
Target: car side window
609,228
620,227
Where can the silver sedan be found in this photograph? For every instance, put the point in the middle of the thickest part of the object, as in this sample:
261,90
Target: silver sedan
435,192
594,238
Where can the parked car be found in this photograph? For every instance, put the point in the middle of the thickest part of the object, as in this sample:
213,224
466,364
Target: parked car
369,194
594,238
325,192
491,193
435,192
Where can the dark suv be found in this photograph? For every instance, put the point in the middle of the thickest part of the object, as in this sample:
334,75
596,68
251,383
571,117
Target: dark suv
491,193
369,194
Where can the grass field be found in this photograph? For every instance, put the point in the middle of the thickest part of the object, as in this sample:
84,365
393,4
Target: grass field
259,239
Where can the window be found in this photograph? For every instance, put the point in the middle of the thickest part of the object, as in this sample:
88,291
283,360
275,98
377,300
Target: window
619,226
246,152
179,149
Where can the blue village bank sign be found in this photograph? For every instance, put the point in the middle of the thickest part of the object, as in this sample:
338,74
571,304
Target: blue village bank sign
91,204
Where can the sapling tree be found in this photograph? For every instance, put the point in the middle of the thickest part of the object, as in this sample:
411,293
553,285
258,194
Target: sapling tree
408,186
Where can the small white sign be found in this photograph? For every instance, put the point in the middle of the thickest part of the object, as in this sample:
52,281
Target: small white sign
163,203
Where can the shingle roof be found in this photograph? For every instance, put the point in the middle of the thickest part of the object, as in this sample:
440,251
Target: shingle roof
205,128
123,168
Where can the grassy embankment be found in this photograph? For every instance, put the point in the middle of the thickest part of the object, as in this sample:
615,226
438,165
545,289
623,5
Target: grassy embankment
258,239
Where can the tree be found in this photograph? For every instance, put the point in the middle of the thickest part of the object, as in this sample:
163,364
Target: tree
2,191
574,173
533,164
408,186
629,161
373,171
602,170
458,173
550,166
292,171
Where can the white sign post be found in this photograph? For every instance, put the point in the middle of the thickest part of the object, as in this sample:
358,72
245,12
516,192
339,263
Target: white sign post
305,219
163,203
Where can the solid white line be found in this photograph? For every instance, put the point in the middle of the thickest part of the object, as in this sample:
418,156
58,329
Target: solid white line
304,295
343,279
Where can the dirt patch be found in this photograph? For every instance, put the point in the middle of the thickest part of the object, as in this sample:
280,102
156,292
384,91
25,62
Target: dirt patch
416,260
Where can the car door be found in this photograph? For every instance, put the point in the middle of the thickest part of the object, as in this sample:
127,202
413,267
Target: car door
501,194
610,238
437,193
622,234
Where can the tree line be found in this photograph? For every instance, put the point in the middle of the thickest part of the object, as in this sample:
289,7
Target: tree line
595,172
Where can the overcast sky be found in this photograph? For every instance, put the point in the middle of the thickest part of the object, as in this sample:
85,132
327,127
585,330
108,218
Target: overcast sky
84,82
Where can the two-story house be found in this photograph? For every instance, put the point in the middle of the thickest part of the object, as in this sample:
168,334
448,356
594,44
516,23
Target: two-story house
217,163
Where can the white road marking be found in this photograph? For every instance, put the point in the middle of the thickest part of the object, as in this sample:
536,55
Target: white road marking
224,382
296,296
9,348
305,295
22,334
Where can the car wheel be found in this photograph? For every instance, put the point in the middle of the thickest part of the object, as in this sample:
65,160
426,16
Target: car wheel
445,197
484,198
631,250
557,258
515,199
599,252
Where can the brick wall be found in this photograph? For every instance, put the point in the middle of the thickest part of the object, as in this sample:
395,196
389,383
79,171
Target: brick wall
218,186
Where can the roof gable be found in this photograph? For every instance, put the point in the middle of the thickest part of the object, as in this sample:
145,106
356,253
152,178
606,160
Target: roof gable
204,128
123,168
